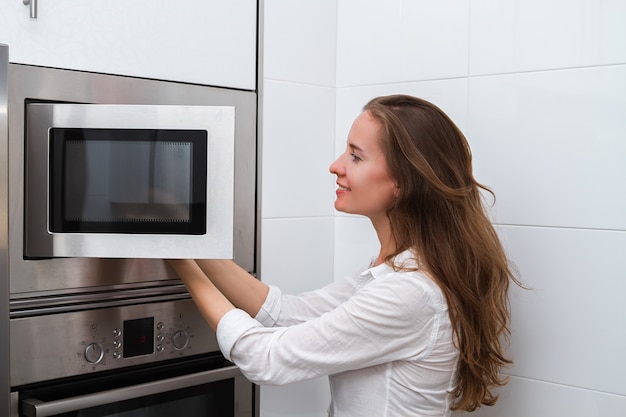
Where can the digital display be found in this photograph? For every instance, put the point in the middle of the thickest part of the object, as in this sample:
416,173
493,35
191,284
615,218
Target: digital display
138,337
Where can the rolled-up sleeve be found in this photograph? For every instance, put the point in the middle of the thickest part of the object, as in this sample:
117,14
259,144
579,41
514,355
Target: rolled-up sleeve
268,314
230,328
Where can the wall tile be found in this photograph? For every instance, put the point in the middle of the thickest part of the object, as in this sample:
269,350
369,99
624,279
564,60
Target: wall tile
529,35
356,244
296,254
298,129
570,326
300,41
552,145
530,398
302,399
397,41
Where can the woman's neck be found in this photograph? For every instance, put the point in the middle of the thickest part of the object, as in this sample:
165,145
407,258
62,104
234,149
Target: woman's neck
386,240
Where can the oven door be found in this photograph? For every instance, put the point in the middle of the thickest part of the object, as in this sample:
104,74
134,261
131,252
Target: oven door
158,392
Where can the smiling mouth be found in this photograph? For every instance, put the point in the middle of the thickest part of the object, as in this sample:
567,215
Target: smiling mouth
342,188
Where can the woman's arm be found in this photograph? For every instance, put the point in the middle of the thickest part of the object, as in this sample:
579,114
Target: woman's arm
242,289
209,300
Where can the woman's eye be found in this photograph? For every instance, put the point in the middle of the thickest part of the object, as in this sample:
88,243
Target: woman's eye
355,157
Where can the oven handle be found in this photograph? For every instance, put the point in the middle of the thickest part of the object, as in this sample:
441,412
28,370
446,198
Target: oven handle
32,407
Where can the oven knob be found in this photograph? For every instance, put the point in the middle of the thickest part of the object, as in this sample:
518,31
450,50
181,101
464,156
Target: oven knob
180,339
94,353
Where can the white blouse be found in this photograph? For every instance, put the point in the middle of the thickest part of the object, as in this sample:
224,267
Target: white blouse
384,339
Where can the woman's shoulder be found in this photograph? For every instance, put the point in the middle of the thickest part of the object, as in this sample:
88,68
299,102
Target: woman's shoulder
407,290
404,265
419,281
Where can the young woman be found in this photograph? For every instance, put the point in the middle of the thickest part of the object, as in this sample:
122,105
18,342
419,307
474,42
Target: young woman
418,333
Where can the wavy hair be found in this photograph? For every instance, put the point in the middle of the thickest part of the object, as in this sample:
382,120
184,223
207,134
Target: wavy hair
439,214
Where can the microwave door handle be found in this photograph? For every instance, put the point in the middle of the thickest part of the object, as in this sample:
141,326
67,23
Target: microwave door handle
32,407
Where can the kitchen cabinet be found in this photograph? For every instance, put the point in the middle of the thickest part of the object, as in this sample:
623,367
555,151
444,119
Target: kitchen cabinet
210,42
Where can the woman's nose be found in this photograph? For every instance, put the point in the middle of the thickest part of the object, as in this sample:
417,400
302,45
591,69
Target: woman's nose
335,167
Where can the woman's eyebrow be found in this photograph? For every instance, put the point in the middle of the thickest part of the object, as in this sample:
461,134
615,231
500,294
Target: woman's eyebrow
355,147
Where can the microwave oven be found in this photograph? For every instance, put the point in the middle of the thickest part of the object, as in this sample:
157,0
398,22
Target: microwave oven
128,181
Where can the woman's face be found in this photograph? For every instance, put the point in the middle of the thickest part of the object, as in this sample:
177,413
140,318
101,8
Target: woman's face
365,184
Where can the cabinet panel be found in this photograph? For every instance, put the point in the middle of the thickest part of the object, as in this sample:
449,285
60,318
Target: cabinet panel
208,42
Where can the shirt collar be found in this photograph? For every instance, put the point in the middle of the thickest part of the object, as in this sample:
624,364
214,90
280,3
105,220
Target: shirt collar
406,258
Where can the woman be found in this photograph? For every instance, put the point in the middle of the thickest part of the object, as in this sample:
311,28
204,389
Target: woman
418,333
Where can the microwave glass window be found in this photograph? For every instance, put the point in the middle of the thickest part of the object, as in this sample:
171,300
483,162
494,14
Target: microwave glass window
128,181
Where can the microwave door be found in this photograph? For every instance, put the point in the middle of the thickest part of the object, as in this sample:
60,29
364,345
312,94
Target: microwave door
129,181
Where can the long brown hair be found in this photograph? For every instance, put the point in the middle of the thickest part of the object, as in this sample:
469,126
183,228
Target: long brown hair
439,214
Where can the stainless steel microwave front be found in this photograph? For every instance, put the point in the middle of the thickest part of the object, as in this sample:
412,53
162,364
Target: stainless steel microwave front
129,181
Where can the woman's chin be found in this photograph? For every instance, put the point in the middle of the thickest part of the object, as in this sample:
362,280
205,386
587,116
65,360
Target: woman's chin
343,209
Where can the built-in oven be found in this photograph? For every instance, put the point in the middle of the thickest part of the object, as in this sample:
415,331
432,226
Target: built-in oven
103,177
152,359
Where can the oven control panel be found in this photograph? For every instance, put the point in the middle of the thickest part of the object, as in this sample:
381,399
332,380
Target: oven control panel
74,343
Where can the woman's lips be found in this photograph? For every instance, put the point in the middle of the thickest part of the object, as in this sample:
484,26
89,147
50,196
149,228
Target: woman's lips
342,189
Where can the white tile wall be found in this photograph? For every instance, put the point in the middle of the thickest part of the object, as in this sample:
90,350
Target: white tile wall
300,41
539,88
356,245
532,398
301,399
296,254
298,129
394,41
530,35
552,145
569,327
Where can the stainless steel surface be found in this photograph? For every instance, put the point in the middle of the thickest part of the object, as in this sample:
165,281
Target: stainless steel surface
217,242
59,345
35,278
34,408
37,306
244,404
4,226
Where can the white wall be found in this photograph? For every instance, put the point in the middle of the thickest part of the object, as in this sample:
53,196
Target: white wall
539,88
